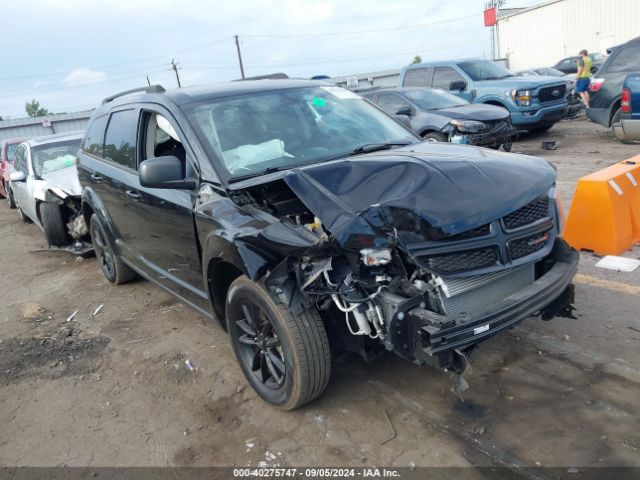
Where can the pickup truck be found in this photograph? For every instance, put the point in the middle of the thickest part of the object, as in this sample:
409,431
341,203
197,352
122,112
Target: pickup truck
628,128
309,222
535,103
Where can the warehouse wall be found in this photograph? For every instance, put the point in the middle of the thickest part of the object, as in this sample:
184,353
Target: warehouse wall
541,36
33,127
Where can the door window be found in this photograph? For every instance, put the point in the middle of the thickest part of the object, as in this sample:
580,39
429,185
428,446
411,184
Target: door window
120,139
94,141
161,138
415,77
443,76
20,162
391,103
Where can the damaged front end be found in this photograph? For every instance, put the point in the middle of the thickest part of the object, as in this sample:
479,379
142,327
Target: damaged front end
484,134
429,287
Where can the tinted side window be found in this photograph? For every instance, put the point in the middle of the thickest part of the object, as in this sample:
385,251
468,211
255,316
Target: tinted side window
415,77
443,76
391,103
626,60
93,142
120,139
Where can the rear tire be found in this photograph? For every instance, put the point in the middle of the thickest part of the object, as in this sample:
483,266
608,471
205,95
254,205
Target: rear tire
285,357
114,269
53,225
435,136
10,199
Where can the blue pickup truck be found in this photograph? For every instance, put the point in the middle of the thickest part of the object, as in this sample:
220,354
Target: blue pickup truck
628,128
535,103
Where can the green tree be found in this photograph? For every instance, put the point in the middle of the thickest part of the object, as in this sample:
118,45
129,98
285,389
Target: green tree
34,110
417,59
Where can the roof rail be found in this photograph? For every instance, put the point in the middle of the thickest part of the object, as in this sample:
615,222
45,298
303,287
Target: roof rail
149,89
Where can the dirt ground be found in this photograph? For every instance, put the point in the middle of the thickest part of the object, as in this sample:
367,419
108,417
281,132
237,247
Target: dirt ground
112,389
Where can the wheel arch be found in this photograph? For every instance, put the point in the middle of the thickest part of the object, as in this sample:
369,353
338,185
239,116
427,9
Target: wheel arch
615,105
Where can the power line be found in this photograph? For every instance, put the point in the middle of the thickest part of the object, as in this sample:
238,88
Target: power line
361,32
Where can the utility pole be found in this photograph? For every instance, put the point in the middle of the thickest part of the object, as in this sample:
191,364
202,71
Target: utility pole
148,81
174,67
239,56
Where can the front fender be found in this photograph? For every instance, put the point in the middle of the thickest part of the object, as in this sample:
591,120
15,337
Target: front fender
91,200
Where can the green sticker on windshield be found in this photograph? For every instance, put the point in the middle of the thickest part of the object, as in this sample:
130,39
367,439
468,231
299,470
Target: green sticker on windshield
319,101
68,161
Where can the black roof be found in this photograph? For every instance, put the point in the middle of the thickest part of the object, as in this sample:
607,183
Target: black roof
185,95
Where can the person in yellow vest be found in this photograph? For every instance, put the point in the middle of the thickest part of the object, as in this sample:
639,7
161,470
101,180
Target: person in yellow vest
584,74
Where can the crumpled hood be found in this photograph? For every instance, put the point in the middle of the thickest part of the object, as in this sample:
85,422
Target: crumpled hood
66,180
483,113
453,188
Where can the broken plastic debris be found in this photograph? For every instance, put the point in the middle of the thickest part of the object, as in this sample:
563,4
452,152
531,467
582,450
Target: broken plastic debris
622,264
97,310
72,316
189,365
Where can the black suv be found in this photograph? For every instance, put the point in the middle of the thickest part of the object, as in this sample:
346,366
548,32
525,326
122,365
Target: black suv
605,90
307,220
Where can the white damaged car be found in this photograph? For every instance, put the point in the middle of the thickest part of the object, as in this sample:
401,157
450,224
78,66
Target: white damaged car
44,185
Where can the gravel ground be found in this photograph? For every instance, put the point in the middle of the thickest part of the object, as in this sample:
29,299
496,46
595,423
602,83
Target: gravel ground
112,389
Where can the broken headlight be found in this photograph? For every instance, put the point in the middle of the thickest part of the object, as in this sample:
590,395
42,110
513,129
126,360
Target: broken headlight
468,125
372,257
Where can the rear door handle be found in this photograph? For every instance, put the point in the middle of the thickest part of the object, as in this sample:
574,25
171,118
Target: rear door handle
134,194
95,178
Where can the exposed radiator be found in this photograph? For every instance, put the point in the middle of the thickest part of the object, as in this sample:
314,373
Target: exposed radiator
476,294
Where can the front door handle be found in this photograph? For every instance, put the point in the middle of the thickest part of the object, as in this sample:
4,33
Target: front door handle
134,194
95,178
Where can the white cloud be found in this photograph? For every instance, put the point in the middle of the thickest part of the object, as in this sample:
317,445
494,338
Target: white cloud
83,76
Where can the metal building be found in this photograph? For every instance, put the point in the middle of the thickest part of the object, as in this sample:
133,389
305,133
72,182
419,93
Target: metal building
541,35
48,125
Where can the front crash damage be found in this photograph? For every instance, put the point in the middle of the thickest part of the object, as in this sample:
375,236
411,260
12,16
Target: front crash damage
424,257
62,188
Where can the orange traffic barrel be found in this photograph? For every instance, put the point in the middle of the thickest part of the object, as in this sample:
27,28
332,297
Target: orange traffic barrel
605,212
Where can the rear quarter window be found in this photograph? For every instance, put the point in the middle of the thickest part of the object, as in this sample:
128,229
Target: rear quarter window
626,60
94,140
120,138
415,77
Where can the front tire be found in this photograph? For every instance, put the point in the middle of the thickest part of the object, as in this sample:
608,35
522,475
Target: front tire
114,269
53,225
285,357
21,215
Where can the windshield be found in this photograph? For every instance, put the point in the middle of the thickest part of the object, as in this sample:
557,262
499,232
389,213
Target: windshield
11,151
428,99
553,72
484,70
54,156
257,132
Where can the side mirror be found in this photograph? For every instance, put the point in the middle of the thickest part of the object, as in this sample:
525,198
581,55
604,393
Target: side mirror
17,176
405,111
164,172
457,85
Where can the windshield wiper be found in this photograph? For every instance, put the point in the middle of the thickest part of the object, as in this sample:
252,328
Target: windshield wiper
256,174
375,147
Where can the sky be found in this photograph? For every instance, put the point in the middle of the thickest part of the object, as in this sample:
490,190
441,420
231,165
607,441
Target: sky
70,54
